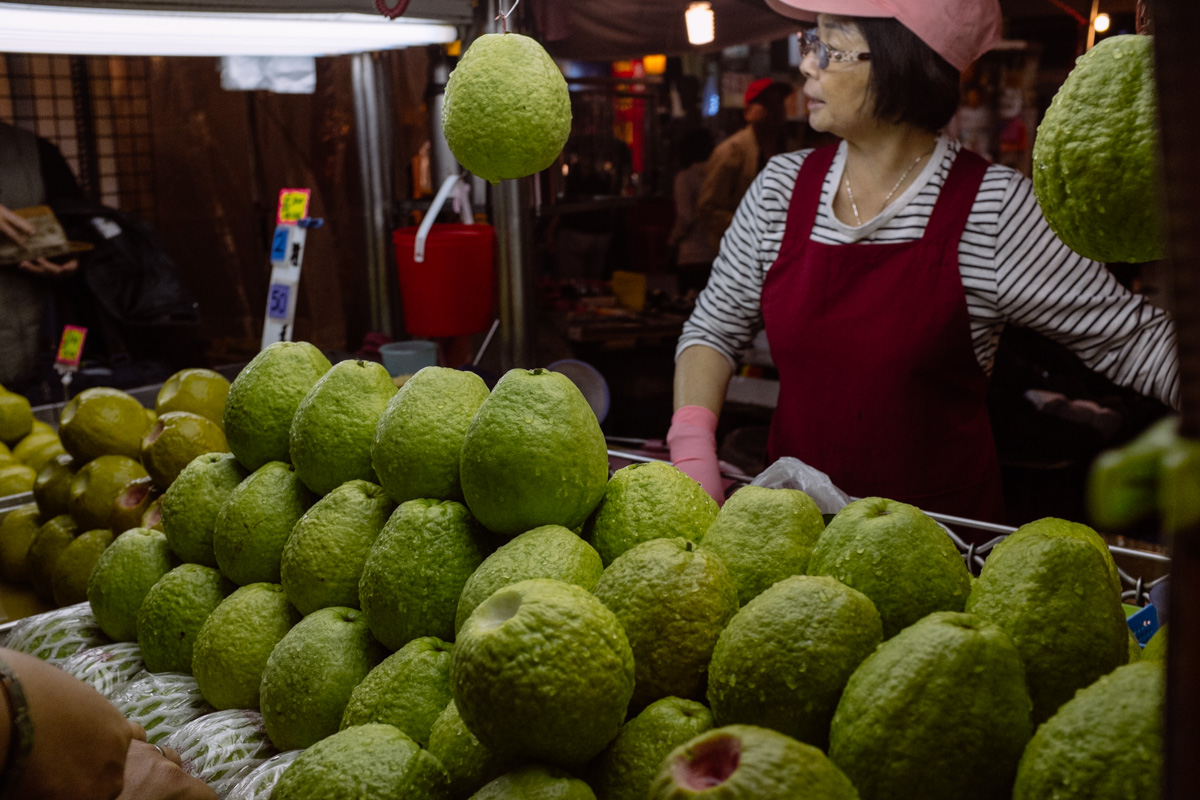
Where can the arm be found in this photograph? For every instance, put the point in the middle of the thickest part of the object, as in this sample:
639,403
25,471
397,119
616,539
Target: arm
728,314
1043,285
79,741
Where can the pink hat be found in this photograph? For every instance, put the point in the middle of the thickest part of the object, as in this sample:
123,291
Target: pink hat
960,31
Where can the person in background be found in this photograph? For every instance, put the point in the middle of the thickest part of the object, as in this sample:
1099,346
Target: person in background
32,172
737,160
885,268
61,740
695,252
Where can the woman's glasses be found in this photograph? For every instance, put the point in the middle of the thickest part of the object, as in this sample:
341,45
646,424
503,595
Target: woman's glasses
810,42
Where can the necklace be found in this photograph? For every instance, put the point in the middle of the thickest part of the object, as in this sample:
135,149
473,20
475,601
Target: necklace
888,199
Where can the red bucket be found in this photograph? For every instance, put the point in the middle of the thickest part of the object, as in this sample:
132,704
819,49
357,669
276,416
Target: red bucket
449,293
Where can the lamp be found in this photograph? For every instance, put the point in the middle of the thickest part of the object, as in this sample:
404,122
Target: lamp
1103,23
91,31
701,23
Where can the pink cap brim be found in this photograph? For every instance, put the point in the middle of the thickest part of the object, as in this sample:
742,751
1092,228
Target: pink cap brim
842,8
960,31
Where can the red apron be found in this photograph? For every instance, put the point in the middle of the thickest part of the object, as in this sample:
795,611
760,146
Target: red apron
879,386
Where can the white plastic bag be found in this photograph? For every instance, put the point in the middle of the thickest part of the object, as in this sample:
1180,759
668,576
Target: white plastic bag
161,702
792,473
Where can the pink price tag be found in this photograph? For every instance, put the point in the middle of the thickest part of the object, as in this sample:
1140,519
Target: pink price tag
293,206
70,348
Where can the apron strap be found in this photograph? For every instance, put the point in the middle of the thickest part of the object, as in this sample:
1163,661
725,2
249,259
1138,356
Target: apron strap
806,196
958,195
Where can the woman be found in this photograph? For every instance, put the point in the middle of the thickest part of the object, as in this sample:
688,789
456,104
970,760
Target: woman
885,268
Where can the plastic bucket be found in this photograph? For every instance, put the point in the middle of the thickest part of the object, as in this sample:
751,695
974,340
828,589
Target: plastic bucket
450,293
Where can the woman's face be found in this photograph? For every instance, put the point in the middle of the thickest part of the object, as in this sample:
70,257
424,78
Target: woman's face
837,97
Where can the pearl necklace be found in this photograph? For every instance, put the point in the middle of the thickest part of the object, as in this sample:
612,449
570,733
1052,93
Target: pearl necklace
888,199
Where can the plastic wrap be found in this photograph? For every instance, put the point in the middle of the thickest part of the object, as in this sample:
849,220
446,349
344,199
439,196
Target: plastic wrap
162,703
259,784
108,668
223,748
57,635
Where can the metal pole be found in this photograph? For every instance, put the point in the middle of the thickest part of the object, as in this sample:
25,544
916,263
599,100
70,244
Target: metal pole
512,215
444,163
373,130
1177,63
1091,34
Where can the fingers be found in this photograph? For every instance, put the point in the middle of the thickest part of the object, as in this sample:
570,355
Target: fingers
14,227
46,267
172,755
138,732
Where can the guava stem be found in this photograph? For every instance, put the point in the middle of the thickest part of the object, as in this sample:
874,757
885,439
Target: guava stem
503,16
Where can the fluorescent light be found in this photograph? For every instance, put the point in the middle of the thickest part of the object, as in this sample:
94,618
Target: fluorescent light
701,24
90,31
1103,22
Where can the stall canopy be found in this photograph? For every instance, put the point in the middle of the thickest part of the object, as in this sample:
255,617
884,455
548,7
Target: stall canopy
458,12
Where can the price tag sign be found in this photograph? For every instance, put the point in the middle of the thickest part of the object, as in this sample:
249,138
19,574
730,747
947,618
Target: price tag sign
293,205
277,301
279,245
70,347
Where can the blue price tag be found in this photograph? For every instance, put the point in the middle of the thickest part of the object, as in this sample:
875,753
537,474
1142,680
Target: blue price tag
277,305
279,245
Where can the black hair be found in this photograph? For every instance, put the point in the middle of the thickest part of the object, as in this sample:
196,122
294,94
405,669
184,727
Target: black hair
695,146
909,83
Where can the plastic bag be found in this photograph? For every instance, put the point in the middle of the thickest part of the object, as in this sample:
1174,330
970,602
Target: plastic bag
107,668
792,473
57,635
259,784
161,703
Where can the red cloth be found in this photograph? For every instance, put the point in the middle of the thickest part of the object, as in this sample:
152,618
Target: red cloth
879,384
693,442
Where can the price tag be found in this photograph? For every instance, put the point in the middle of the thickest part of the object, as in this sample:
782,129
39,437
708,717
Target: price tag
277,301
70,347
279,245
293,205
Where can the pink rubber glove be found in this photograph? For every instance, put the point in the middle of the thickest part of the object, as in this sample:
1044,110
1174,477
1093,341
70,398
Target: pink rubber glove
693,442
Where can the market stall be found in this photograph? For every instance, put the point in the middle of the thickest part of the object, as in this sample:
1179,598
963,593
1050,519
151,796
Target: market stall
369,524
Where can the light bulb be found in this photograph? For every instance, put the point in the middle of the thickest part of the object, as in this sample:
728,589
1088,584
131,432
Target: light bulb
701,23
1103,23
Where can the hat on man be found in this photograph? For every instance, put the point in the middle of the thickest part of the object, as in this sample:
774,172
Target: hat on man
960,31
755,89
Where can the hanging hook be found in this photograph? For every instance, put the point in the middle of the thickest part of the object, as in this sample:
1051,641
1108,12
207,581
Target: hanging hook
391,13
503,16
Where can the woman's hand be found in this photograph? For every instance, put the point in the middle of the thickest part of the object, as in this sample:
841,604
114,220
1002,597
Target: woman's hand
47,268
151,774
80,739
14,227
693,442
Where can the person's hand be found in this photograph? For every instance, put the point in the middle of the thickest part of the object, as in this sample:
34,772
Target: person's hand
693,442
14,227
80,739
153,774
46,267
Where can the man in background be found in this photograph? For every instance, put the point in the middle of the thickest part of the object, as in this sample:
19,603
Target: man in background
32,172
737,160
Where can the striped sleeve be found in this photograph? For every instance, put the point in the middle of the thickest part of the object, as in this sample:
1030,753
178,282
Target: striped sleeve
1043,285
728,312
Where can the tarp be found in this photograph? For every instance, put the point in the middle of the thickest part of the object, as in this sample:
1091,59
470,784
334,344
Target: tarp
610,29
452,11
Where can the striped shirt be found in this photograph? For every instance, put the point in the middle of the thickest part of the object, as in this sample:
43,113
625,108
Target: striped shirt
1014,271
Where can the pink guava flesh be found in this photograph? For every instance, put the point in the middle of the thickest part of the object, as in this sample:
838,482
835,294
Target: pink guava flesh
709,764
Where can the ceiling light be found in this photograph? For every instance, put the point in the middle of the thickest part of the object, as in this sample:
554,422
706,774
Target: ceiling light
1103,22
91,31
701,24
